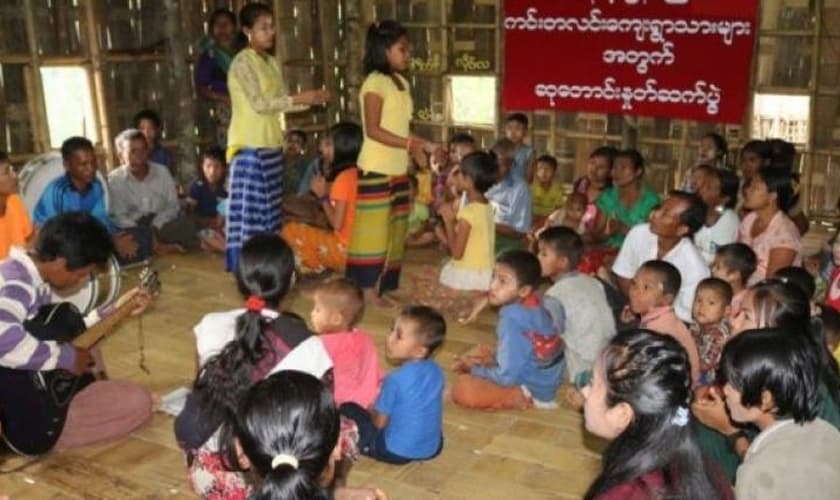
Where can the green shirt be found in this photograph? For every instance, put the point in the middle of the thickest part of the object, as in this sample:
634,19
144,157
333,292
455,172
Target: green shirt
419,214
610,206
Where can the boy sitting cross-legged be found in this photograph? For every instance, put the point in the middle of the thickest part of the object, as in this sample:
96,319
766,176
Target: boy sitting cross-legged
526,369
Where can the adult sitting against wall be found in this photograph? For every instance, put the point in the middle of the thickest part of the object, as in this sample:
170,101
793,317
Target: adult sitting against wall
211,71
511,201
144,202
627,202
719,191
259,96
80,190
319,248
667,237
767,229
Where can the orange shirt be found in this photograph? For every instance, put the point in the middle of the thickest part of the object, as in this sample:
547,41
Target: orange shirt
344,189
15,225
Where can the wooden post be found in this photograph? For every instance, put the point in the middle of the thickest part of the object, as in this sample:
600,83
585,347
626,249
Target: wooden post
328,34
180,82
38,105
353,47
97,60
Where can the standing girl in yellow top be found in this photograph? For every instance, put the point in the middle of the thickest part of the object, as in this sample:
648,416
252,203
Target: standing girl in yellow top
377,242
259,97
470,235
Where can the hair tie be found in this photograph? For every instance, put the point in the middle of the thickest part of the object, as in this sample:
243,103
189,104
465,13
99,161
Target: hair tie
254,304
283,459
680,418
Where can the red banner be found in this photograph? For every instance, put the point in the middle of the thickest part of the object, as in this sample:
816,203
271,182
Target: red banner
671,58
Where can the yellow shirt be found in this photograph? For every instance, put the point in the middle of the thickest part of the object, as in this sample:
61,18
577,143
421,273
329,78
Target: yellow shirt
397,108
548,200
424,187
478,254
258,98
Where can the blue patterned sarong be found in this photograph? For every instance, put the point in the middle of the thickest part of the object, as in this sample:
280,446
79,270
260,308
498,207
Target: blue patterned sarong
255,200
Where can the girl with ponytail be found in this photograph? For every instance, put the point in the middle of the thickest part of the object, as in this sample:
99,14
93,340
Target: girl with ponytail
639,400
236,349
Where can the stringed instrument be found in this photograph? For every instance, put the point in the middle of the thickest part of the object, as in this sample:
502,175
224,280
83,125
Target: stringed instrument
34,404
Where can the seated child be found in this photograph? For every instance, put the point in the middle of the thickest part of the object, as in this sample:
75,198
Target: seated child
469,235
15,224
204,197
577,303
771,381
735,263
711,328
286,434
338,307
527,368
460,145
546,191
405,424
571,215
420,232
831,330
149,122
651,295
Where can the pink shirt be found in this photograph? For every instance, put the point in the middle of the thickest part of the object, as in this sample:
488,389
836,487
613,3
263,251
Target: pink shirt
780,233
355,366
663,320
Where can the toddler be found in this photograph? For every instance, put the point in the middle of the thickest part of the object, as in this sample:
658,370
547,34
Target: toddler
652,293
405,423
710,328
338,305
526,369
735,263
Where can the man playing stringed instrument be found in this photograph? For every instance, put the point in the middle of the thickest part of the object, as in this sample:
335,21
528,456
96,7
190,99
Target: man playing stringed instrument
68,250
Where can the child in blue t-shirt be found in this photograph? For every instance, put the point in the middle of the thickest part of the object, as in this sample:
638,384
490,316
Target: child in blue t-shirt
405,423
204,198
527,366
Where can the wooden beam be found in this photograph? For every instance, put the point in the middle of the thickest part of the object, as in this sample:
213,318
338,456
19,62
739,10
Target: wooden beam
100,101
180,82
40,125
328,34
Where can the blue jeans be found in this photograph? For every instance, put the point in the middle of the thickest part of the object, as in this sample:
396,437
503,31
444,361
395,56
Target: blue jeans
372,439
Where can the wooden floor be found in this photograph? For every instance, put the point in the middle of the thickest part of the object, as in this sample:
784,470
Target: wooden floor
529,455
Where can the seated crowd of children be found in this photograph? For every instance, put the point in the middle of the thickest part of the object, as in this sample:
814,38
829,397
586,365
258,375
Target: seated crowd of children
696,345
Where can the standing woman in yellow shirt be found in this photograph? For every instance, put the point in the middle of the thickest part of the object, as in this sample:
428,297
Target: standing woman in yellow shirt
259,96
377,242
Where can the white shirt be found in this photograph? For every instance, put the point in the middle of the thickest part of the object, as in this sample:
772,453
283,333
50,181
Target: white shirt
131,199
725,231
641,245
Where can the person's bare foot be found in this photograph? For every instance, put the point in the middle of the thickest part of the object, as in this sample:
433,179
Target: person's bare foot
574,399
169,249
372,298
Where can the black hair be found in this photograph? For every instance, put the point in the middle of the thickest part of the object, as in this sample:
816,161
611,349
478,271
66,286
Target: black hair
782,154
740,258
607,152
525,266
694,215
213,153
548,160
670,275
519,118
347,142
77,237
798,277
779,182
431,327
482,168
651,373
249,14
784,305
265,268
299,133
830,318
773,360
412,181
73,144
730,185
634,156
147,114
218,14
462,138
721,147
718,286
760,148
4,156
565,242
381,36
289,413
